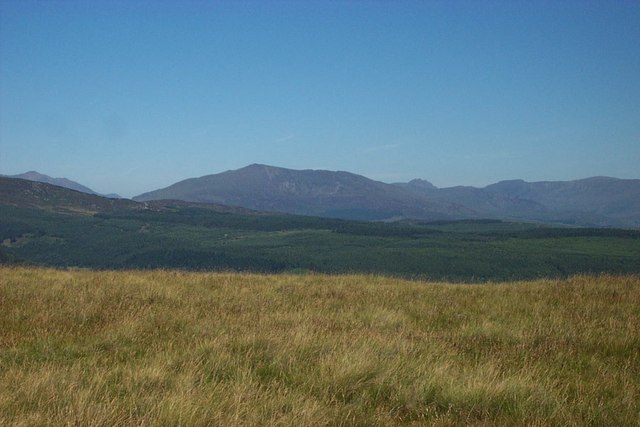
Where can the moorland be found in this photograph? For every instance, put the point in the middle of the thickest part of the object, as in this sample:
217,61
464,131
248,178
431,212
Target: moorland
186,348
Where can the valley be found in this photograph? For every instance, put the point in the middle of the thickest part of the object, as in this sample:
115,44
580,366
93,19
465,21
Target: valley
47,225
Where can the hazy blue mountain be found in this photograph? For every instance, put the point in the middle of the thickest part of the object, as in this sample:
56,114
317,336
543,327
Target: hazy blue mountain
596,201
61,182
309,192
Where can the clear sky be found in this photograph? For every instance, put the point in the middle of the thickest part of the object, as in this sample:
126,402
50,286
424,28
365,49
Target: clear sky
130,96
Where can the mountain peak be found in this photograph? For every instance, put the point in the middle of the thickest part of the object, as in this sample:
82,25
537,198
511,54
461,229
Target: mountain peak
258,166
422,183
34,176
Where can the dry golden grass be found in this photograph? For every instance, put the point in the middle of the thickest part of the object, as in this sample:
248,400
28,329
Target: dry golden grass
176,348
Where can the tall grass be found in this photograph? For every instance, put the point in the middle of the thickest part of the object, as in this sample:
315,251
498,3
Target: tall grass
177,348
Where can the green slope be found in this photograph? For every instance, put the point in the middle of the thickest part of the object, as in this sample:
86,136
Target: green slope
203,239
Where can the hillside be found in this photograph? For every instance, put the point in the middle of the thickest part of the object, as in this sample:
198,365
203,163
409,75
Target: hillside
25,193
60,182
22,193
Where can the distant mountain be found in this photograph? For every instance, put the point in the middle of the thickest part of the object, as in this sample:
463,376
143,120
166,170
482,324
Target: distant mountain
61,182
309,192
25,193
598,201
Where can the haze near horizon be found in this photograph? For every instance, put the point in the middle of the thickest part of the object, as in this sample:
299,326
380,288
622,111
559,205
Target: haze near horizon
128,97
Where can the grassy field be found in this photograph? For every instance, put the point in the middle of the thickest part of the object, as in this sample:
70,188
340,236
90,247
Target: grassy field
177,348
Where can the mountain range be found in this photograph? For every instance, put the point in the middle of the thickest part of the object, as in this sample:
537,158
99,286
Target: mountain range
591,202
596,201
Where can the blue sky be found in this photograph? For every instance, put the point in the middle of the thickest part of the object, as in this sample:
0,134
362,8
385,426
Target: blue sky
130,96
